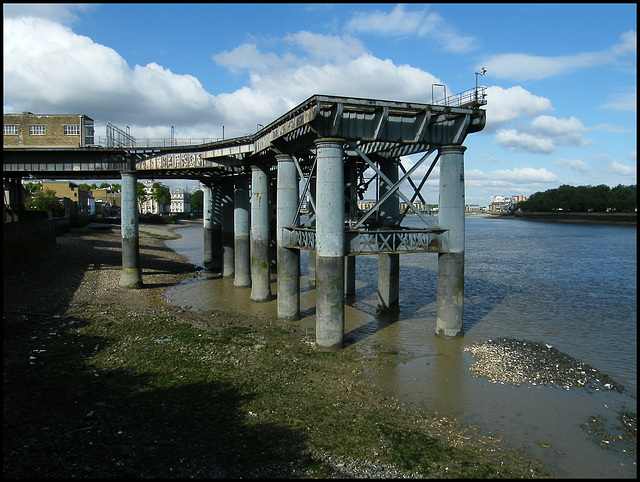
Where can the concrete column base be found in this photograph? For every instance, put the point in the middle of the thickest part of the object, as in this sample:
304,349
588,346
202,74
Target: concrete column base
242,254
260,277
450,295
330,302
388,282
288,284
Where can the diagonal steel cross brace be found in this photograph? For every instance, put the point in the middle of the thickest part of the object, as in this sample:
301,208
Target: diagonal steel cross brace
304,191
419,188
394,187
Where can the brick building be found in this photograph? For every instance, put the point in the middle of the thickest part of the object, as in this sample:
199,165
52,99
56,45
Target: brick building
47,130
78,196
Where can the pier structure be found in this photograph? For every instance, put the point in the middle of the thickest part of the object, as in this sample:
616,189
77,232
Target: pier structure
330,149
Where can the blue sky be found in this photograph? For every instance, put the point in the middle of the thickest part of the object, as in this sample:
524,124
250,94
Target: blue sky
561,79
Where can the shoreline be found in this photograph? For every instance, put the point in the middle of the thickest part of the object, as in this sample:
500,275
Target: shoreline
614,219
105,382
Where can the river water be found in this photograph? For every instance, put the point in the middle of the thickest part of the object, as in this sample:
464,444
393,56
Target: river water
572,286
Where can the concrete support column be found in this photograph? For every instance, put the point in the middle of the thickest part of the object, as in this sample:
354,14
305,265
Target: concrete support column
330,241
451,258
226,208
260,277
207,207
287,199
215,266
131,275
241,229
389,264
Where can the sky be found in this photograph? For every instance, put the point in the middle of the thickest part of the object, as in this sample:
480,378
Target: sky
560,78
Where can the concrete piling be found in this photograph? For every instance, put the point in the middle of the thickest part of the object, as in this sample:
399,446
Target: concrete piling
288,259
131,275
260,272
241,230
451,258
330,243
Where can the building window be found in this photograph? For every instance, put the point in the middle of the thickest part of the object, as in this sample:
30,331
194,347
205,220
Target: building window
71,130
37,131
10,130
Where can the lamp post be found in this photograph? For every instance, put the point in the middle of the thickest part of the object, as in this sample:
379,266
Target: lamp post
482,72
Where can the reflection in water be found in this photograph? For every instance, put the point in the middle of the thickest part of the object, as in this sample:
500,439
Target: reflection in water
525,280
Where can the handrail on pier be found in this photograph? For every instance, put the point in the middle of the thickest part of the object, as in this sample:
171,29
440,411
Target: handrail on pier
475,96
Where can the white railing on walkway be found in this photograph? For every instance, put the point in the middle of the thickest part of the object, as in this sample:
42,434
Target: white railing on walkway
471,96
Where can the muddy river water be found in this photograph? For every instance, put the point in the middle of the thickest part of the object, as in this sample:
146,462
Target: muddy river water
570,289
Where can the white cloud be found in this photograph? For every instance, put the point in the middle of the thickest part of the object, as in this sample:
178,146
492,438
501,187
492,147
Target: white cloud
247,57
322,47
574,165
505,105
515,141
400,22
625,102
50,69
520,66
271,94
544,135
616,167
563,131
58,12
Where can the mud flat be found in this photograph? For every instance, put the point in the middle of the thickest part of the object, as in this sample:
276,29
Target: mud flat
99,381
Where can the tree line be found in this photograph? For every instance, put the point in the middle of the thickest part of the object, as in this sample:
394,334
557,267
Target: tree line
583,199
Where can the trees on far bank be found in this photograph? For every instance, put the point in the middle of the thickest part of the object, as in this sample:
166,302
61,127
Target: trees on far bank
583,199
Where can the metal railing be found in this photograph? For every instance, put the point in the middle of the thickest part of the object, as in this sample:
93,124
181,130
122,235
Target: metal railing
371,242
468,97
158,142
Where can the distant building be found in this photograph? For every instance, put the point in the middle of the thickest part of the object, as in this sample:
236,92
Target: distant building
472,208
418,205
107,202
180,201
503,204
150,206
79,198
107,196
47,130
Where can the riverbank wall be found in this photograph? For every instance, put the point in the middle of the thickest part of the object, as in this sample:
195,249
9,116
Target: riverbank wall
618,219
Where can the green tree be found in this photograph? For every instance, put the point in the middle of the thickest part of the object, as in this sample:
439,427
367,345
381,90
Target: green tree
33,188
85,186
142,194
623,198
105,185
160,194
196,200
45,200
583,199
116,187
